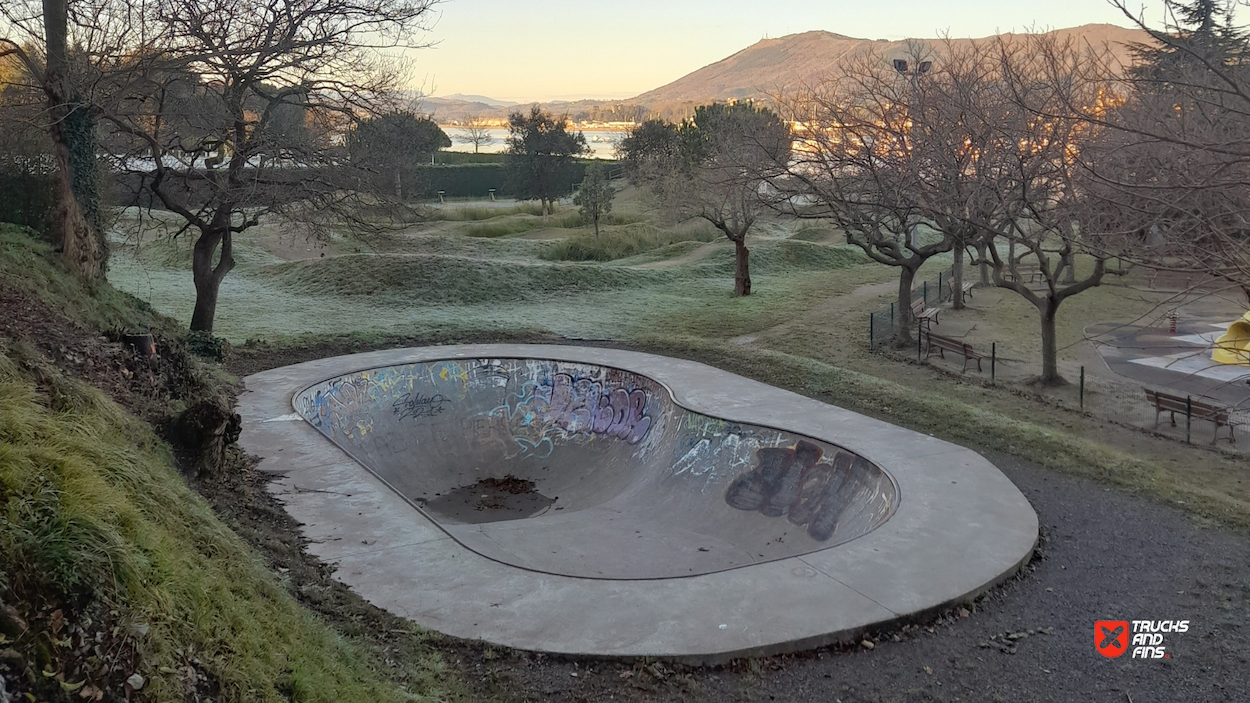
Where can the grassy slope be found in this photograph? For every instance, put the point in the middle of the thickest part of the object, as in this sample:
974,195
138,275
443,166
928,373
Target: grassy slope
94,514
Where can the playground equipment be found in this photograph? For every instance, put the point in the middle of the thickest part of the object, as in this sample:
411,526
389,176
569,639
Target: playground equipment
1233,347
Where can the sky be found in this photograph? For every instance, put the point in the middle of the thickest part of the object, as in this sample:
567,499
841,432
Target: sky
527,50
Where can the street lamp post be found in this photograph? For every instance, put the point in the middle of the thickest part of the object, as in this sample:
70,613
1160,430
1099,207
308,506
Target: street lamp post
921,68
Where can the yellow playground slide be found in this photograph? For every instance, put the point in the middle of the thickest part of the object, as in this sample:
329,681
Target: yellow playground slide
1233,347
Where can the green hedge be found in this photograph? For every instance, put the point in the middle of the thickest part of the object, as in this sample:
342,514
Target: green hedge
464,157
476,180
27,198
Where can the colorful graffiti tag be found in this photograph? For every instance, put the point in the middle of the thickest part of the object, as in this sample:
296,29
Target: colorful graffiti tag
792,481
585,405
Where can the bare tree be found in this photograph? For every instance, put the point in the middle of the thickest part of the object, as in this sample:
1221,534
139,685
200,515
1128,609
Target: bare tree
857,163
235,109
1044,211
61,46
477,133
955,116
985,147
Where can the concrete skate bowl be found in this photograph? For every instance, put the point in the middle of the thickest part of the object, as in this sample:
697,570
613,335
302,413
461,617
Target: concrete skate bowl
578,500
590,471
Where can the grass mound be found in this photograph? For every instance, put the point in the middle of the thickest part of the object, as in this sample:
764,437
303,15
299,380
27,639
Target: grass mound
631,240
664,253
477,213
788,256
520,225
452,280
813,231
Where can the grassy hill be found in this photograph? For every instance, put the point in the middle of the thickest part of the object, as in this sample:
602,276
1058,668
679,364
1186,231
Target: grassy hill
784,63
117,579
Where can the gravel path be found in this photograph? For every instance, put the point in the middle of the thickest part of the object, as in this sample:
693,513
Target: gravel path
1105,555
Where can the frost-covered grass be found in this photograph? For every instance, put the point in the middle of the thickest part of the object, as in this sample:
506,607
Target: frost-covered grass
445,281
625,241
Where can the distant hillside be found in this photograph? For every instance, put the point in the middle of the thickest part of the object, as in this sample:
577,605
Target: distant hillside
480,99
455,109
451,110
776,65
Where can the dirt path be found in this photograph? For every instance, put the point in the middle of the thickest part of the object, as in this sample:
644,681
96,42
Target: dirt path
827,319
1105,555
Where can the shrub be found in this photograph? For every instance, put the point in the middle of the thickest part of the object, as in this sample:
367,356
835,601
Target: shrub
27,197
205,345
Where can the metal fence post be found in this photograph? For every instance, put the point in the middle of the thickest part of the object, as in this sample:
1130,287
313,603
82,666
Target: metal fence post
993,361
891,315
1189,414
1082,389
872,332
926,293
939,285
919,342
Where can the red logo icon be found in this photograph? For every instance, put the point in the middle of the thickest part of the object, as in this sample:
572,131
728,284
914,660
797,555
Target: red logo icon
1111,637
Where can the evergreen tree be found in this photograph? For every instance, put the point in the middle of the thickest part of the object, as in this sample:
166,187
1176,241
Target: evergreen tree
594,195
540,155
1183,56
396,142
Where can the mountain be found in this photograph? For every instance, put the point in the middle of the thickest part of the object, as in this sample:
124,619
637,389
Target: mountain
458,108
479,99
776,65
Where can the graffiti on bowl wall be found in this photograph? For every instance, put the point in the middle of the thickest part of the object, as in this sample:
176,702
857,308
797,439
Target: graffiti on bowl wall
794,482
584,405
542,402
418,405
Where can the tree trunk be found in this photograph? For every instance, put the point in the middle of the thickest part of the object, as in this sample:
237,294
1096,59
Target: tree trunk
69,227
399,185
71,231
1050,348
742,271
1069,271
902,311
208,277
983,252
596,218
957,279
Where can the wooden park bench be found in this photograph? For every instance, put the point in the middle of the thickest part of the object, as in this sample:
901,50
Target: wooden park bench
966,288
945,344
924,316
1198,410
1029,273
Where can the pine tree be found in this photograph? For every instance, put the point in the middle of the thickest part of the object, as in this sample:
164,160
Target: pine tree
1204,39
